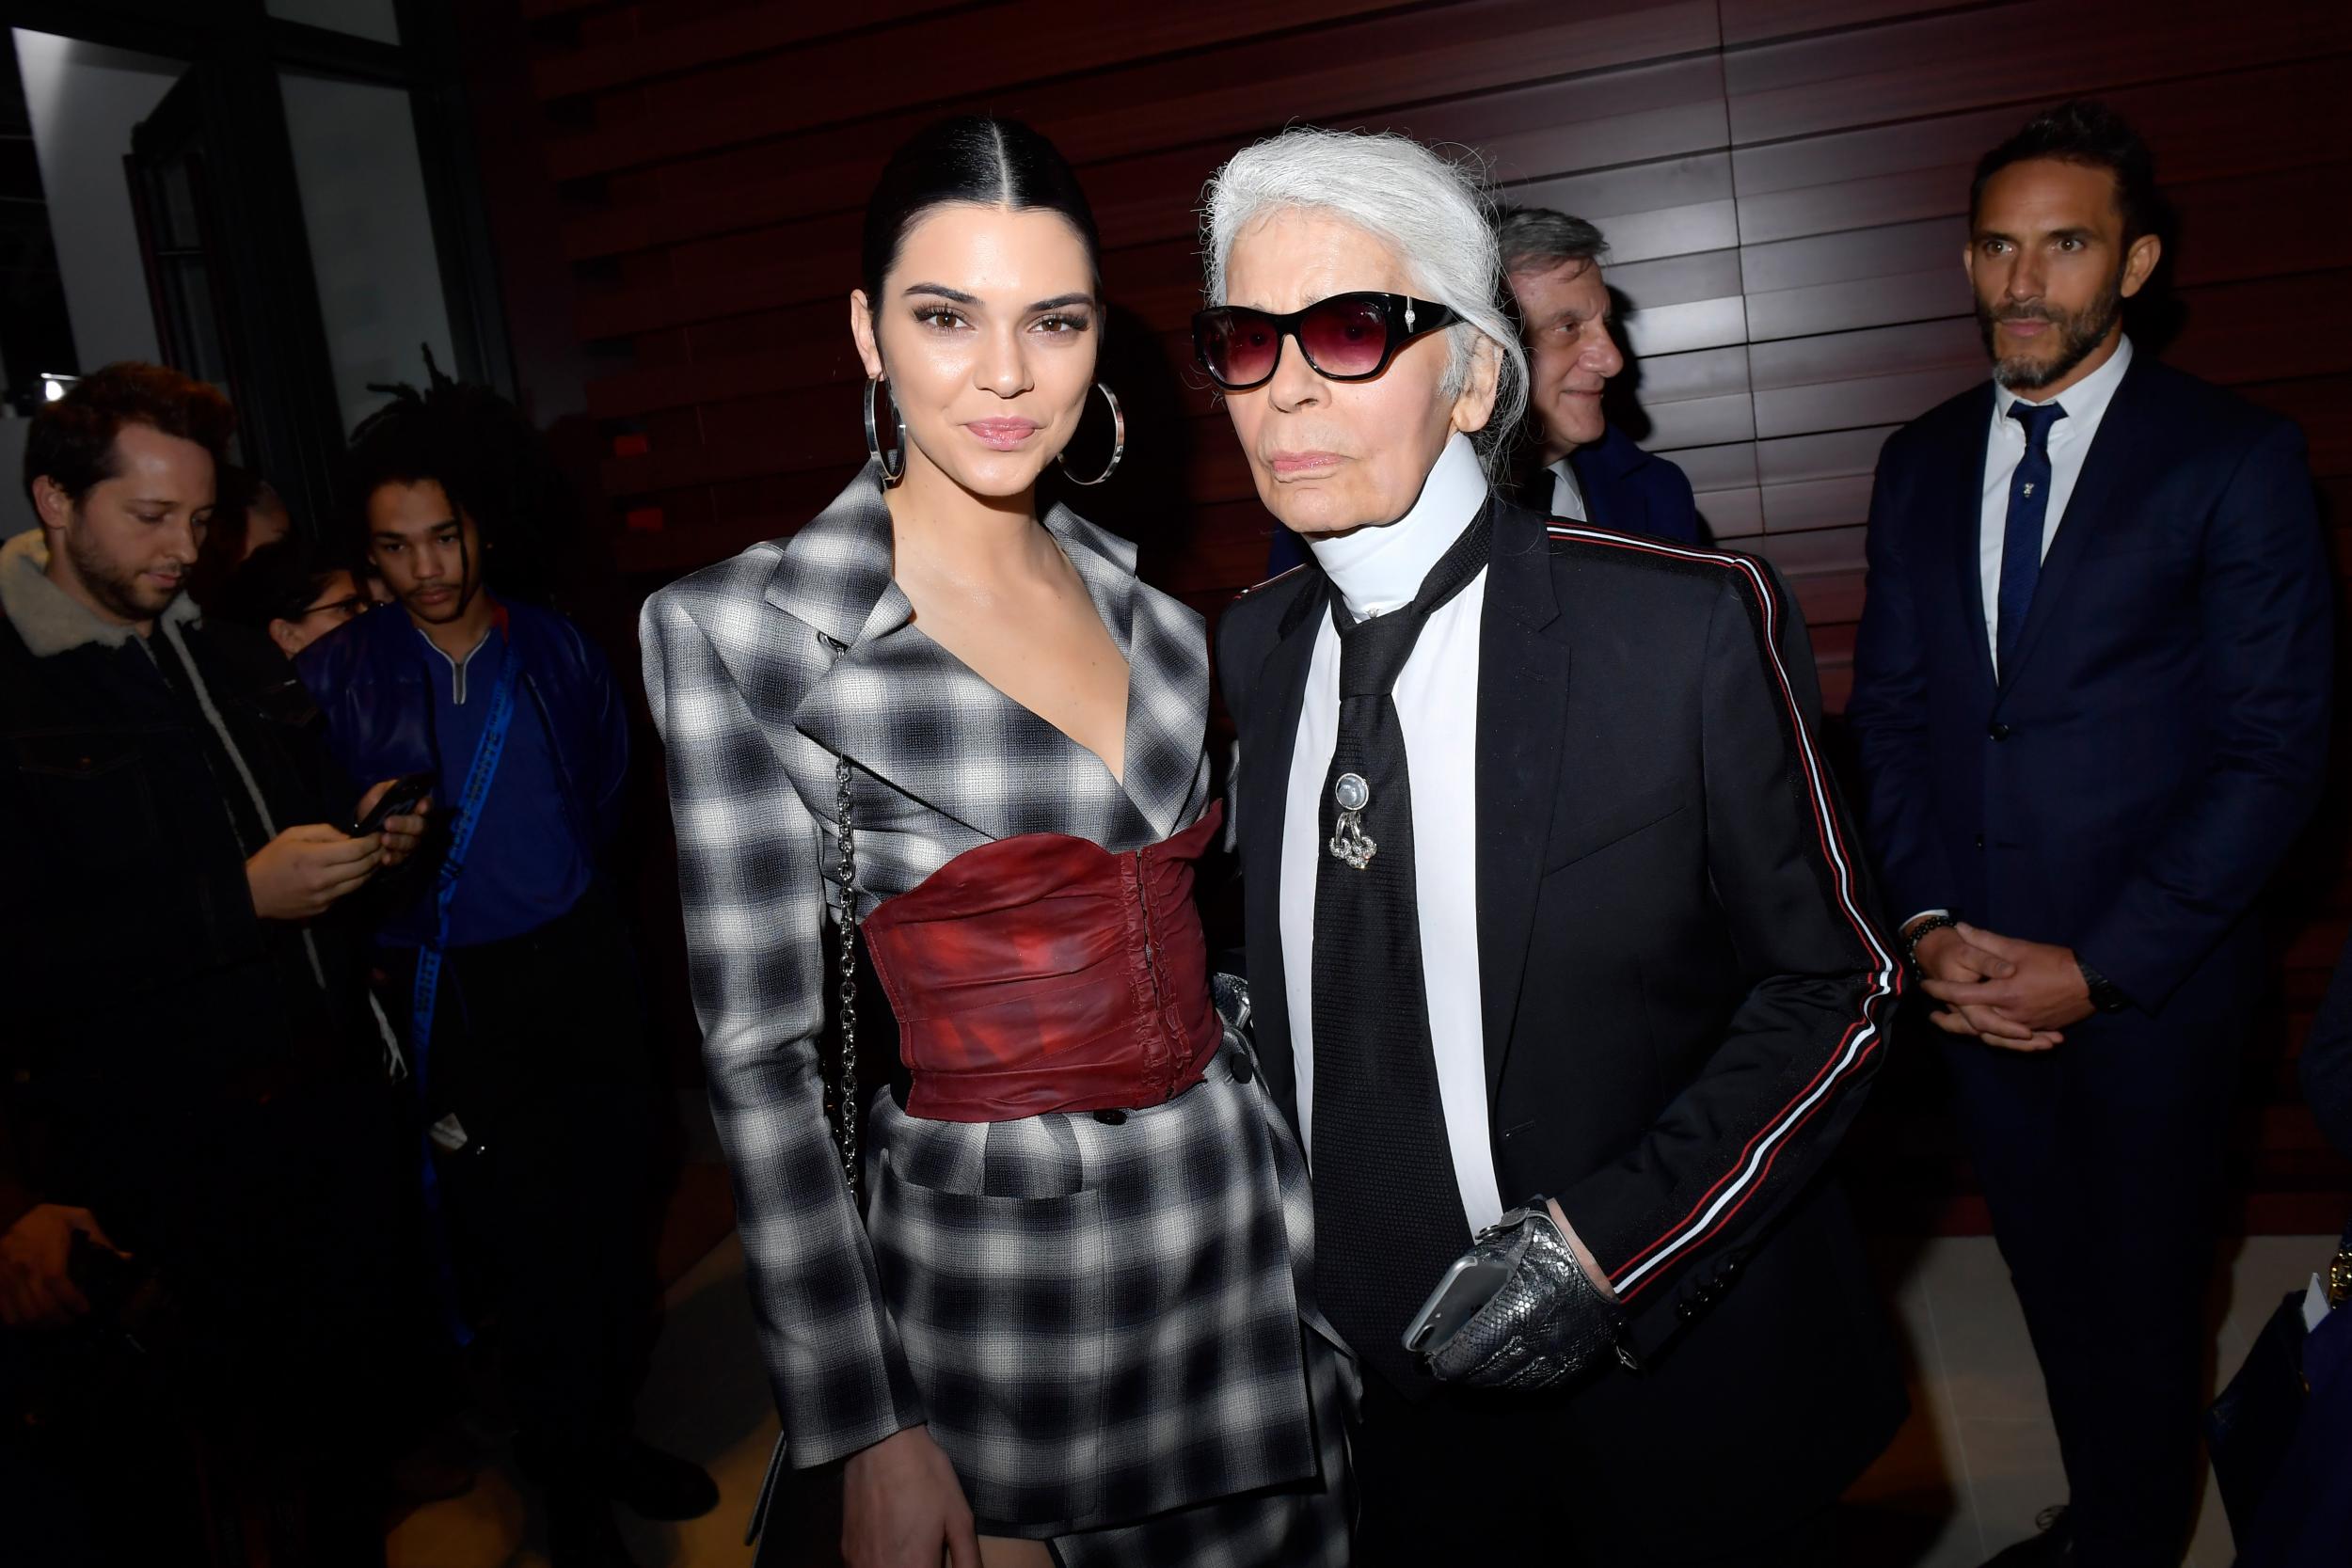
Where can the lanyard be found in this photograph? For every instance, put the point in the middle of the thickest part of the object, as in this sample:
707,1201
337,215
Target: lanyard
485,768
487,752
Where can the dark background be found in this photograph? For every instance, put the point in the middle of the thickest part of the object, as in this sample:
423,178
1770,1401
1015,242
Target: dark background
654,209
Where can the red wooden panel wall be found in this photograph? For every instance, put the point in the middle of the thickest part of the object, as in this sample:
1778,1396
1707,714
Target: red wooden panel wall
1783,182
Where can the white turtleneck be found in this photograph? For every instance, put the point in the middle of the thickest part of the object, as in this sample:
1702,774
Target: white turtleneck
1380,569
1377,570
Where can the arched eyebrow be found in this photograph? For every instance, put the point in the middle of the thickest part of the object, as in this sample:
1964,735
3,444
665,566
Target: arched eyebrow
957,296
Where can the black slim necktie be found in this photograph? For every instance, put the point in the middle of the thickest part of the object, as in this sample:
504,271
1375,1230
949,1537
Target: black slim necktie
1388,1215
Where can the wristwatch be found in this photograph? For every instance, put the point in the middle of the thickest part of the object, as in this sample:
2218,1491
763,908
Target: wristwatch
2104,994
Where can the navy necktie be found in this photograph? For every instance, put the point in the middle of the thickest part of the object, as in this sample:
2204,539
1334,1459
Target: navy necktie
2021,541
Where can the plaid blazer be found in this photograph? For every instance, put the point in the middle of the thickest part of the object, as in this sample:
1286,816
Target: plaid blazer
761,671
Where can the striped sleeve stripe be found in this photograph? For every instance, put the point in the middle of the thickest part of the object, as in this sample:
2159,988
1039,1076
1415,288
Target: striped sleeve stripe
1716,1207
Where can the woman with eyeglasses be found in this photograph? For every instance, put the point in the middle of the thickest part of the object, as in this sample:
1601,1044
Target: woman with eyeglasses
1048,1295
296,595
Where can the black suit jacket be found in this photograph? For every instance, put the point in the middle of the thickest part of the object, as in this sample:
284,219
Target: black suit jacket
1684,994
2131,783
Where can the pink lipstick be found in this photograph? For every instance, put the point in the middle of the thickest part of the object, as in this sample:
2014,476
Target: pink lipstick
1003,434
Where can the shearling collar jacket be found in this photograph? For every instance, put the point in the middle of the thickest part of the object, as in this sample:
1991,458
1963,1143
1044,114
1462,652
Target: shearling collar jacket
147,996
50,620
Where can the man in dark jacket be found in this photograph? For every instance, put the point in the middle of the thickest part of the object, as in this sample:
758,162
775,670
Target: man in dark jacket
516,966
196,1074
1583,467
2091,693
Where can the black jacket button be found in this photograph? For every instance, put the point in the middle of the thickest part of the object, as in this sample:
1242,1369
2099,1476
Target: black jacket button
1243,1072
1111,1119
1999,732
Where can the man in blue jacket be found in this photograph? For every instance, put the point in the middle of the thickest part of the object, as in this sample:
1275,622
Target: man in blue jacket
1585,469
515,968
2091,700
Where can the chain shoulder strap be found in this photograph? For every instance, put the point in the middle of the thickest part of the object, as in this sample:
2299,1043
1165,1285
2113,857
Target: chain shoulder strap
844,1095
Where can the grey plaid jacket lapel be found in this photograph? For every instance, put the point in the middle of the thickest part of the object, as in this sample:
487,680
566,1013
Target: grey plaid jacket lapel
1165,645
909,713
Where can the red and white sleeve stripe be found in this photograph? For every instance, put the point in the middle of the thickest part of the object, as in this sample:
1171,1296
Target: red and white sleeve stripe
1716,1207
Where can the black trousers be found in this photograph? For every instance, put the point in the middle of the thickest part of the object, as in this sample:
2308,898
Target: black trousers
539,1049
1470,1480
2101,1162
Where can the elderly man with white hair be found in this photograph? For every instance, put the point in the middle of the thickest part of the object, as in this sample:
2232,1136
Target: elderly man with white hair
1561,957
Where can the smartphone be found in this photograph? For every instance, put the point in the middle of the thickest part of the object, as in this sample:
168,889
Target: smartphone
398,801
1468,1286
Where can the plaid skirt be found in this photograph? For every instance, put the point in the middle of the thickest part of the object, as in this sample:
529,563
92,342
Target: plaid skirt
1110,1318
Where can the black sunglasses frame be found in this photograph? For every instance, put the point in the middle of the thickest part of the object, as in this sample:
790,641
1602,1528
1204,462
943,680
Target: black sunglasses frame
1403,317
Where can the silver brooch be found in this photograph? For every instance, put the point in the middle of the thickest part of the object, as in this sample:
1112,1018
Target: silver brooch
1348,840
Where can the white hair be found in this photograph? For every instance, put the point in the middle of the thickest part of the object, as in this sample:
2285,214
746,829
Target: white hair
1434,213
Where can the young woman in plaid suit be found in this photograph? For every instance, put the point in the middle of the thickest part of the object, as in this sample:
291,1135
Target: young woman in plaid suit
1074,1324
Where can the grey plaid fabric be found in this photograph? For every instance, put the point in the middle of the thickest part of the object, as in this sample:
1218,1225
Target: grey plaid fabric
1139,1355
1100,1322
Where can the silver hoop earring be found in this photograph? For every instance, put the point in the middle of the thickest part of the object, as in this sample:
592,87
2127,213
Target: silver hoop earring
890,475
1119,441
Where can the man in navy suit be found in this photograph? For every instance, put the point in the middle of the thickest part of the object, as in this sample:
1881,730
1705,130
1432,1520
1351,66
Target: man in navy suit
1586,469
2091,698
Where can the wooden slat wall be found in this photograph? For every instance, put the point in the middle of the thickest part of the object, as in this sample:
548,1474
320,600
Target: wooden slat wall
1783,182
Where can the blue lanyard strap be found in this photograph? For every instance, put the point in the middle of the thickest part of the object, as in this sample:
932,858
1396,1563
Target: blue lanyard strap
487,752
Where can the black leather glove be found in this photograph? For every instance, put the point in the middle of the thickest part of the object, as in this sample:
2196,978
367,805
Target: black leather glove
1546,1321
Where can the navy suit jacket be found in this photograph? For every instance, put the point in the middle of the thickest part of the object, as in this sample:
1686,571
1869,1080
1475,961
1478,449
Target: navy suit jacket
1625,488
2130,783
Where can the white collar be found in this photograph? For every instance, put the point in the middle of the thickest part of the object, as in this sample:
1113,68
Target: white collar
481,642
1381,568
2083,401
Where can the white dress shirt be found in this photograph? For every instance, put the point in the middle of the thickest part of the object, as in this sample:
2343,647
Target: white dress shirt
1568,495
2086,404
1376,570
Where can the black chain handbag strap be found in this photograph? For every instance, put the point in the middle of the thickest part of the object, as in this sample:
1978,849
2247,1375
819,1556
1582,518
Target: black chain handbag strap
844,1089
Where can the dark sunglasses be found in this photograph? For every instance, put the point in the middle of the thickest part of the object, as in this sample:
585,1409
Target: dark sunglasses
1348,337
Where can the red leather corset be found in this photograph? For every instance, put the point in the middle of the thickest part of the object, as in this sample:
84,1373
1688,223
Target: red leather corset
1045,972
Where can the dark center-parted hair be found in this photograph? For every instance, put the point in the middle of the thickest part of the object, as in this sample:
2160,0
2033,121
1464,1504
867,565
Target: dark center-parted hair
72,439
277,582
1537,239
2082,131
973,160
489,461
